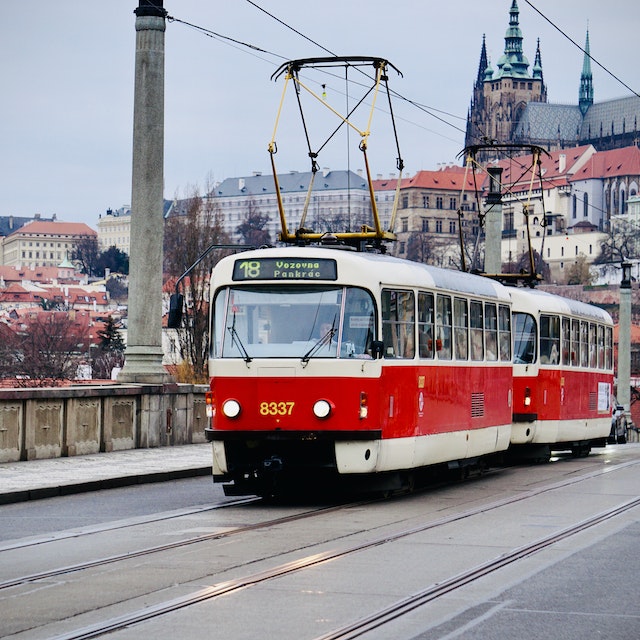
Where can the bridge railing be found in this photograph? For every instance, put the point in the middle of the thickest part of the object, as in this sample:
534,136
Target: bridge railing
56,422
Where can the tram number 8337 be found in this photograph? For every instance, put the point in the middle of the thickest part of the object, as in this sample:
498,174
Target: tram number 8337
276,408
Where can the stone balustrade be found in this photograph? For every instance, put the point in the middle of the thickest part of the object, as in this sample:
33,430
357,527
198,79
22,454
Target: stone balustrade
56,422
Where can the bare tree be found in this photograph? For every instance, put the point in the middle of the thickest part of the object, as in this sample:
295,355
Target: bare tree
196,226
252,230
48,348
423,247
622,242
579,272
87,253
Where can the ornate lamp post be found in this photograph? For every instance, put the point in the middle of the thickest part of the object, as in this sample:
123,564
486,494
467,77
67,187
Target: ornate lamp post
493,223
624,340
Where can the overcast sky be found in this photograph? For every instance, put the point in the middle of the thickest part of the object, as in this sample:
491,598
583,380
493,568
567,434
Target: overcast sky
66,111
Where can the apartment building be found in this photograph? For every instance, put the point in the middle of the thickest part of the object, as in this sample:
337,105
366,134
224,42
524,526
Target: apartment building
43,243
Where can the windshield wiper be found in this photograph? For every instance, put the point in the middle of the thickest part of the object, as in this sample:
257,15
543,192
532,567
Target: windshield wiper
325,339
235,338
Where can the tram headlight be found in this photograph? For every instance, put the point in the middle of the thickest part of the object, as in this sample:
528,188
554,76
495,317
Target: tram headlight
231,408
322,409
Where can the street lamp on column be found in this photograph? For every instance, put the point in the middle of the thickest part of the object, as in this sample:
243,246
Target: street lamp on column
624,339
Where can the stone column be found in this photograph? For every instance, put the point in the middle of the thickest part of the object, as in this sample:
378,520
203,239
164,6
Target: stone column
143,356
493,223
623,395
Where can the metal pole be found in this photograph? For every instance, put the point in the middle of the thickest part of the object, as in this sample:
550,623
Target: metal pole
143,356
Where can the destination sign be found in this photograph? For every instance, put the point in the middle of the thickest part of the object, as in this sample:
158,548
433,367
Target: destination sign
285,269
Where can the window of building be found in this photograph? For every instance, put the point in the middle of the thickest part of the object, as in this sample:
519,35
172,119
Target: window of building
425,224
405,202
438,226
453,204
585,205
439,204
405,224
425,202
452,226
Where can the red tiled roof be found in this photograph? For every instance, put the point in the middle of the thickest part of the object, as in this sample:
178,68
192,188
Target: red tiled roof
45,227
39,274
448,179
517,170
616,162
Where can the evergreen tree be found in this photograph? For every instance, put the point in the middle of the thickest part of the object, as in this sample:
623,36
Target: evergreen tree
110,338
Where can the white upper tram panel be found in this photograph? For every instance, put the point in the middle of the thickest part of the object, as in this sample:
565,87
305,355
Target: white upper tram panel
534,301
370,270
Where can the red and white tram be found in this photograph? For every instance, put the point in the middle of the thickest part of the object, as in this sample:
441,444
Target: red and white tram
328,363
563,373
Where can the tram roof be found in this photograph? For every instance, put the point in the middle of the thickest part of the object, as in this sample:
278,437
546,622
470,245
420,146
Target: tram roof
535,299
388,270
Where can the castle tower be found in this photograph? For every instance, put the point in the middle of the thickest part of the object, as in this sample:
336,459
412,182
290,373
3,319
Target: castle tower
500,97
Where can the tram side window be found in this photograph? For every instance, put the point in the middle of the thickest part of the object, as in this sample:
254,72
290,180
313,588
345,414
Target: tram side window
425,324
491,331
398,323
608,348
549,339
593,346
575,343
217,330
359,323
443,327
566,341
524,338
477,322
600,347
504,332
584,344
460,328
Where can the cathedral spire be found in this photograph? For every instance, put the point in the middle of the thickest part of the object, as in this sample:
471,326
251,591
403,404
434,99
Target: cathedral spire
537,63
586,80
513,63
482,67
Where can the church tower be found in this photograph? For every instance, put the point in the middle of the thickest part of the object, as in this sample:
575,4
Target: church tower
500,96
585,99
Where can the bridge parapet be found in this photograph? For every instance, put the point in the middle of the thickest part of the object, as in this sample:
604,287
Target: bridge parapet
39,423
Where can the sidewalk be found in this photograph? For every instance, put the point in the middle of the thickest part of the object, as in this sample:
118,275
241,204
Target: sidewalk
35,479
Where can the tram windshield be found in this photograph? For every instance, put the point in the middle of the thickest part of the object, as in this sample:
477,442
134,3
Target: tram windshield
292,322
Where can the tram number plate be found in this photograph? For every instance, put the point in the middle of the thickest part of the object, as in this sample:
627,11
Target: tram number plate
276,408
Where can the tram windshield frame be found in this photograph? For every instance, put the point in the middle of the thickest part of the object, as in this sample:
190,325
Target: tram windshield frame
301,321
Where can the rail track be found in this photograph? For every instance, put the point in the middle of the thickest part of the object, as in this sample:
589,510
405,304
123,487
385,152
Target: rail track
366,623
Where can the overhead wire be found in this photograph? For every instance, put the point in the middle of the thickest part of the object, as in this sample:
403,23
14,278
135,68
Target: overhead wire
431,111
568,37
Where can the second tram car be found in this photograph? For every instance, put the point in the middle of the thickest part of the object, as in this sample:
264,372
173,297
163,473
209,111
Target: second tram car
328,363
562,374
